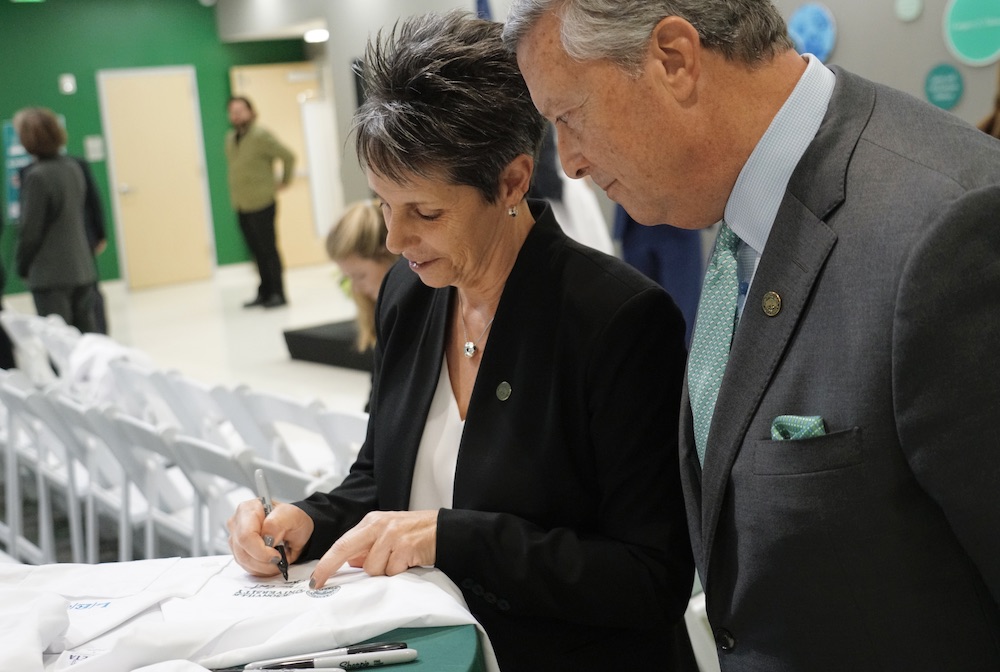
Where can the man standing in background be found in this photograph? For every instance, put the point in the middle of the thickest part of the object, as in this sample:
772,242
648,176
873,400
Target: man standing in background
250,155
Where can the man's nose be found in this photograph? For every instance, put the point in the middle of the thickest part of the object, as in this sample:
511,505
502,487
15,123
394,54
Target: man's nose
572,159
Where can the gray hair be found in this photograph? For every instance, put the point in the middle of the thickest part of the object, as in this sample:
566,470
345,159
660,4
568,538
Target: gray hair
444,98
747,31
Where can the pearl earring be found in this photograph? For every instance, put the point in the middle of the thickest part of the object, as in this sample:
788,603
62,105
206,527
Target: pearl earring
512,211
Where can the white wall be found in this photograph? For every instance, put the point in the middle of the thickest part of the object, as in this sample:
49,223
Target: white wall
248,20
349,33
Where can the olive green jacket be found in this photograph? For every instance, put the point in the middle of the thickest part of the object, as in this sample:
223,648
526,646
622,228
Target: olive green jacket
251,168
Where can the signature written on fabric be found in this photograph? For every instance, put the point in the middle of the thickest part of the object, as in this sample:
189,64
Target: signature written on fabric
286,589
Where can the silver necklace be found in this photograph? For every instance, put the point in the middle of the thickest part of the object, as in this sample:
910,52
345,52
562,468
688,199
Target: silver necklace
469,349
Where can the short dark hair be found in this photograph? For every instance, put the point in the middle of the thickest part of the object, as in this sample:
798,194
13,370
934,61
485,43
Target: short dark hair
39,131
240,99
444,98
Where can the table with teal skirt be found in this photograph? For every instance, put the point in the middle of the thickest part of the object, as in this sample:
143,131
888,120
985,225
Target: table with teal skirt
453,648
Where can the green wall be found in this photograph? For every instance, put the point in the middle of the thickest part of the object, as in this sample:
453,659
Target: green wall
43,40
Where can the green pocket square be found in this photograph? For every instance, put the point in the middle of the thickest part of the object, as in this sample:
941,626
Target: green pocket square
796,427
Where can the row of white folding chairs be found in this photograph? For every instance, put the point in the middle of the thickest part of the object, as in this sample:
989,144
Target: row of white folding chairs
156,480
28,441
301,435
306,436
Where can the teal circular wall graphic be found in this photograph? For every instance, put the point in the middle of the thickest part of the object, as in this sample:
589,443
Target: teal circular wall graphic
972,30
813,30
944,86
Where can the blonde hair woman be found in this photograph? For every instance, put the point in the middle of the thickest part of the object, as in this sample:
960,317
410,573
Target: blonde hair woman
356,244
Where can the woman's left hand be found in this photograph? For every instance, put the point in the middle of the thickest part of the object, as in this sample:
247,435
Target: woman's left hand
383,543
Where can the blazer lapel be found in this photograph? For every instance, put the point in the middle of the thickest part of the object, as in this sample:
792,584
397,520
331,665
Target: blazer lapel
796,251
797,248
427,333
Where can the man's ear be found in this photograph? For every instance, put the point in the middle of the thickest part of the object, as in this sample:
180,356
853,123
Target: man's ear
676,49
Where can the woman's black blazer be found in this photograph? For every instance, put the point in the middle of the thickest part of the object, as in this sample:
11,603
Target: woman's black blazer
567,535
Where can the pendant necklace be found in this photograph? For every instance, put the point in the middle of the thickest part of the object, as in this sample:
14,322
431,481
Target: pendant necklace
470,349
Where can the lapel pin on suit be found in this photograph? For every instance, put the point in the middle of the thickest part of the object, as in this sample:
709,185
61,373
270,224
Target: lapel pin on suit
771,303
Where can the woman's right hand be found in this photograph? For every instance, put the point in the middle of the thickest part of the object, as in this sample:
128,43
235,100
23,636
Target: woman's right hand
249,531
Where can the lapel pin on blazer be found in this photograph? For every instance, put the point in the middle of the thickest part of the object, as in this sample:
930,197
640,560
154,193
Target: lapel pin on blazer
771,303
503,391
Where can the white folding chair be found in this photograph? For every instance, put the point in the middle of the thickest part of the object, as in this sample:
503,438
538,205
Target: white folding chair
286,483
139,394
155,446
222,479
88,376
100,483
700,632
59,339
161,499
108,488
346,432
199,410
34,445
15,441
309,437
127,482
29,352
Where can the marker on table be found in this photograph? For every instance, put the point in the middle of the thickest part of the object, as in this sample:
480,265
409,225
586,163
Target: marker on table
265,498
373,647
350,661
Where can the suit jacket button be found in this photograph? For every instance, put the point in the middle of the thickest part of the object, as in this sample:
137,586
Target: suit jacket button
725,640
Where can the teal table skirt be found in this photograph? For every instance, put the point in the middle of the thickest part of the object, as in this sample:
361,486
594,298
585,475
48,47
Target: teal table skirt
446,649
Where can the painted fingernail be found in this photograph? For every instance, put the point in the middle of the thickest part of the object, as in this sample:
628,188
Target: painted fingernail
312,582
269,540
275,560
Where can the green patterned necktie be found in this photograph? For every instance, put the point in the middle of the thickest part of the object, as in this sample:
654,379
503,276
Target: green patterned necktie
713,335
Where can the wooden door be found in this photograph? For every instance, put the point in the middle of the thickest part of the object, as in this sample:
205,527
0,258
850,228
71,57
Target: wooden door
156,161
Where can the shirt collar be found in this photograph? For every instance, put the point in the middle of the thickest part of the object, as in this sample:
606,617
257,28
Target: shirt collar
760,187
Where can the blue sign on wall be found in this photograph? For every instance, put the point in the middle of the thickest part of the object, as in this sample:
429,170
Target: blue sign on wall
813,30
15,158
972,30
944,86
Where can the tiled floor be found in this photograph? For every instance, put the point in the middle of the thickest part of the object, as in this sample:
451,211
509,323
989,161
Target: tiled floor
202,330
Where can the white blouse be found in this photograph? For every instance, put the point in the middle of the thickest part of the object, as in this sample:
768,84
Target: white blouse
437,457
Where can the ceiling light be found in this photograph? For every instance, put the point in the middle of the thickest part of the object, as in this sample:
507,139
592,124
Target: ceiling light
316,35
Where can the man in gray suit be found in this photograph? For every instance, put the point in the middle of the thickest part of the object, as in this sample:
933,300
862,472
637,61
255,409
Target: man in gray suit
841,479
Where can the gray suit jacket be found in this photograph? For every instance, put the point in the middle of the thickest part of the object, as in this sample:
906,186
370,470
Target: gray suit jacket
876,546
53,250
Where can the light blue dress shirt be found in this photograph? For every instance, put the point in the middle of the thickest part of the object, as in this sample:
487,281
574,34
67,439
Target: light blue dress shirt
756,196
